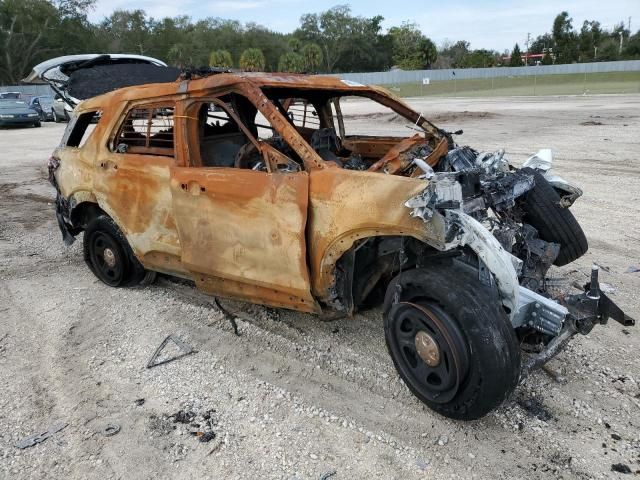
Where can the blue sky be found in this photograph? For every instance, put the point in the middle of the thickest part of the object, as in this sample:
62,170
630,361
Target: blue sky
492,24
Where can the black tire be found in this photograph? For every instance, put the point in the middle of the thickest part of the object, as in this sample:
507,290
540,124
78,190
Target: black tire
542,209
55,116
109,256
37,124
479,353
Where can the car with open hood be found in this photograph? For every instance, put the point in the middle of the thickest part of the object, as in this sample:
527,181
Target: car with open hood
257,187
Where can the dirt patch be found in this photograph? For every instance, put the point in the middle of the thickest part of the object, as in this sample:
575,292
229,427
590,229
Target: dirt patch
459,116
591,123
296,397
437,118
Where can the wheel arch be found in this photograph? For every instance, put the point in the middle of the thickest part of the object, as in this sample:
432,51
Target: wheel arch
330,287
83,206
336,282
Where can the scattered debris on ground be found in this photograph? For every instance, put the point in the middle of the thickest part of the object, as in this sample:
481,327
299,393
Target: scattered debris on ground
182,346
32,440
620,468
110,430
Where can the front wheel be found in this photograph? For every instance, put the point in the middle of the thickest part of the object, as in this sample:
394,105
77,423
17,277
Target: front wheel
451,341
555,223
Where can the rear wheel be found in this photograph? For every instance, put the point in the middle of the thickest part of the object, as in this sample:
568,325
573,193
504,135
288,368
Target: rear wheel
451,341
109,256
55,116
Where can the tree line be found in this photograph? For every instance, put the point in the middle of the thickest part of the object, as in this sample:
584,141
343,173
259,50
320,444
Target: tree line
335,40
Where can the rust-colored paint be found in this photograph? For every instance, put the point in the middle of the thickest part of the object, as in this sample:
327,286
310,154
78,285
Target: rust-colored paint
268,237
249,229
370,147
347,205
396,159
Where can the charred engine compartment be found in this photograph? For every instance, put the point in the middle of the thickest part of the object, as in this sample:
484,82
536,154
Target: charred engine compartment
488,189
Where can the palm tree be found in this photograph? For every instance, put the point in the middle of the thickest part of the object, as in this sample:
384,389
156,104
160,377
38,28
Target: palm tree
252,60
291,62
312,56
221,58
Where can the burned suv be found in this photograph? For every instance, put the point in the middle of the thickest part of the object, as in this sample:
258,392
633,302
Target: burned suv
257,187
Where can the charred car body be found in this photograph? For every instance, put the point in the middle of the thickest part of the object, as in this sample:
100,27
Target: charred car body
249,185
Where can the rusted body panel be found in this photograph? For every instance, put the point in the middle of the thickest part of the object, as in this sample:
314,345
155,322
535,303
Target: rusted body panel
346,206
267,237
247,229
132,189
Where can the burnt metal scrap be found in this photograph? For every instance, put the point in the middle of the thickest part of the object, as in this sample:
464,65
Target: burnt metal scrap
32,440
178,342
179,177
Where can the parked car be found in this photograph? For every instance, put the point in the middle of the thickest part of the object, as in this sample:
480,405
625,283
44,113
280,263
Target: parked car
60,110
10,95
44,106
18,113
275,197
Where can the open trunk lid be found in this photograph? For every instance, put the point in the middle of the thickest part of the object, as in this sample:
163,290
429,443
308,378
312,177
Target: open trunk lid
78,77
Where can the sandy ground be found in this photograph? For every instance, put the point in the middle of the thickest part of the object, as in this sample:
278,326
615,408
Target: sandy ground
293,397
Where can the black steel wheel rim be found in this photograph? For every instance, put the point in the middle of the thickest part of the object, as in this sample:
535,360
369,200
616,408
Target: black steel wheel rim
106,257
438,383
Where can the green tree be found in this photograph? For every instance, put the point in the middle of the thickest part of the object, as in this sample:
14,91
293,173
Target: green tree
221,58
609,49
291,62
411,49
427,52
26,28
271,44
127,31
541,43
184,54
565,39
348,42
369,49
252,60
547,59
588,40
295,45
74,8
453,55
331,30
312,55
516,57
632,48
481,58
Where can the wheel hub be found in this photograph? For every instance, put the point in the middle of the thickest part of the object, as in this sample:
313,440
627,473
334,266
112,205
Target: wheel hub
109,257
427,348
